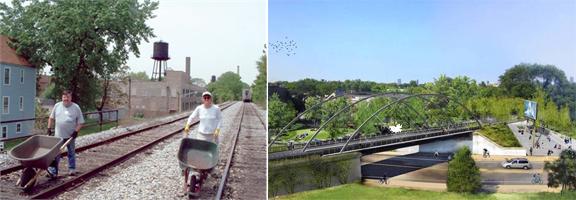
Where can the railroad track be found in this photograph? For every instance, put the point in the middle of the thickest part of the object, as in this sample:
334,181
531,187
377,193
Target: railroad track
95,158
244,176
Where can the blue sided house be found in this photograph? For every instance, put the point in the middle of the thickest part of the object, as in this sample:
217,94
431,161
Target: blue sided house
17,93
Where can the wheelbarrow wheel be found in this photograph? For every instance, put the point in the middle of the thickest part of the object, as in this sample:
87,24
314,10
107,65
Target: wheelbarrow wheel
27,174
193,191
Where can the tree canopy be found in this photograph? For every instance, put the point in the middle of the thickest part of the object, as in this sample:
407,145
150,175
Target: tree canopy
82,41
259,85
228,87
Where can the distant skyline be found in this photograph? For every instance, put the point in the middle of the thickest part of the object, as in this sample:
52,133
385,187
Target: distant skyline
384,41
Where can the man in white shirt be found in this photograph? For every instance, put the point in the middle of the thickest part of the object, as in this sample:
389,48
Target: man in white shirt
210,120
67,119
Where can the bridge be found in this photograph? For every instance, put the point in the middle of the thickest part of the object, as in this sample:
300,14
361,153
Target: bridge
375,143
380,142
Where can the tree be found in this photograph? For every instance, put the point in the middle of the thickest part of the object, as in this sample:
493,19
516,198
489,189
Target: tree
142,76
228,87
82,41
315,115
524,79
562,172
337,126
259,85
366,109
279,113
463,174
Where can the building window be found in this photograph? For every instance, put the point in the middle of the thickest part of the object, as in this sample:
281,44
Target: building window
21,76
6,76
4,131
21,103
5,105
18,127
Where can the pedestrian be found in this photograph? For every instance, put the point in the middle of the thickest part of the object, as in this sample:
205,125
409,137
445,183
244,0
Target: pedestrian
210,120
209,128
67,118
385,178
530,151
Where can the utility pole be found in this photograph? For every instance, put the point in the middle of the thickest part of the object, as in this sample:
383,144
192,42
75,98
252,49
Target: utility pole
129,96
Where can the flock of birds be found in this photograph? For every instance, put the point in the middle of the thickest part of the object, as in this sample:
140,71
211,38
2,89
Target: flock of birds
286,46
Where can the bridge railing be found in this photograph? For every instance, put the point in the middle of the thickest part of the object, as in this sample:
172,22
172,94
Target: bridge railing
415,132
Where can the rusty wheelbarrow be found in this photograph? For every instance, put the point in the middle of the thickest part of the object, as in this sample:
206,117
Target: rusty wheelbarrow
200,156
35,155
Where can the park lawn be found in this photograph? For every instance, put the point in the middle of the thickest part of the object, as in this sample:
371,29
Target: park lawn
500,134
359,191
322,135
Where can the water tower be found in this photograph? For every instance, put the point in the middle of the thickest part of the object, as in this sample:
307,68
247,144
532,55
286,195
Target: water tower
160,57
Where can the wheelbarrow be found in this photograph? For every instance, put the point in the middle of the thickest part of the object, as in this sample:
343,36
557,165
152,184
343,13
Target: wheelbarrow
199,156
35,155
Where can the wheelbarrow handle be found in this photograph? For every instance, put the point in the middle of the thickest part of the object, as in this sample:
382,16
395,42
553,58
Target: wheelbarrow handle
66,144
33,180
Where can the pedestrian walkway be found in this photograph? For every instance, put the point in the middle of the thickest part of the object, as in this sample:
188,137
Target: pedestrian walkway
544,144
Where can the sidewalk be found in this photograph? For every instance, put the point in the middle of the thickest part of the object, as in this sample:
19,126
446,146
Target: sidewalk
530,158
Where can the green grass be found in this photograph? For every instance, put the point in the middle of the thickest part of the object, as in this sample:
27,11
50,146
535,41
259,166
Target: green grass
322,135
500,134
84,131
359,191
10,144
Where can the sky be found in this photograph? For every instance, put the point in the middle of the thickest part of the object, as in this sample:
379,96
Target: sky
384,41
217,35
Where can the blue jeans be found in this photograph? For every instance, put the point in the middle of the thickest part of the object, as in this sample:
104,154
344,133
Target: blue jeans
71,147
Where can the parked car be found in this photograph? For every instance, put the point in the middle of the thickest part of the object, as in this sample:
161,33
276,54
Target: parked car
518,163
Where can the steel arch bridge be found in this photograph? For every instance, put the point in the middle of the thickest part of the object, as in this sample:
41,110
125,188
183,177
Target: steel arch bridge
399,98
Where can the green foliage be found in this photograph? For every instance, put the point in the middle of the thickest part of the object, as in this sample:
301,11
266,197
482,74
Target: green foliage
562,172
320,171
279,113
337,125
142,76
500,134
312,171
82,41
259,85
366,109
341,170
548,112
313,113
524,80
463,174
228,87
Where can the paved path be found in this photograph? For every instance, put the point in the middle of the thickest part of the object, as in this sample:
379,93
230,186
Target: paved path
546,142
